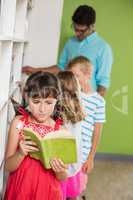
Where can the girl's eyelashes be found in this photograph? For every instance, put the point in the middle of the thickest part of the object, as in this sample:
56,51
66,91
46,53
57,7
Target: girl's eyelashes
35,101
50,102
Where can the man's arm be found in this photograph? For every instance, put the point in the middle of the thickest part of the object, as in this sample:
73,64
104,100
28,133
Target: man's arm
104,65
29,69
63,61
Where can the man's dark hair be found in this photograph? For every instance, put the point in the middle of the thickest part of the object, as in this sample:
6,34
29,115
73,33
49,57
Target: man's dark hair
84,15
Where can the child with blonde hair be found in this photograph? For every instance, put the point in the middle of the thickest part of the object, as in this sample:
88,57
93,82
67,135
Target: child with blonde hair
72,116
94,107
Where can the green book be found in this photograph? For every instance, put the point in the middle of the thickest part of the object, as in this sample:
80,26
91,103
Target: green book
58,144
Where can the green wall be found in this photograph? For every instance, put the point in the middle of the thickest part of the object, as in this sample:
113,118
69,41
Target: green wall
115,24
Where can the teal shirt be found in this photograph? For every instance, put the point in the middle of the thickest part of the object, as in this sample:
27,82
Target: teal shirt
97,51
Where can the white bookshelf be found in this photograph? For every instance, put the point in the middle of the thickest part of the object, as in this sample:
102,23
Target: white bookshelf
5,68
15,76
20,19
3,127
8,11
13,28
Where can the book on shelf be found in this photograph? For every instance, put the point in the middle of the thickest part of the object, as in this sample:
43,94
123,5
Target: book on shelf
58,144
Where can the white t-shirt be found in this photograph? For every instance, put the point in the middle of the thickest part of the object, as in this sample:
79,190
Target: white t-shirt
75,129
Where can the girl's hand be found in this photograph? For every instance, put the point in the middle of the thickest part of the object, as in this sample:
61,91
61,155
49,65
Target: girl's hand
26,146
88,166
58,166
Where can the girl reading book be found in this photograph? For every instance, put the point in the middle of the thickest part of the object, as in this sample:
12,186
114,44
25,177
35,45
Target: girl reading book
72,116
28,179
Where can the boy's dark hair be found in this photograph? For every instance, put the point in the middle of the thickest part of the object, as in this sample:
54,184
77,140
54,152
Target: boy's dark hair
84,15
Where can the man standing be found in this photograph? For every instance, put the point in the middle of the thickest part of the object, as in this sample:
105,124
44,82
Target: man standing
87,43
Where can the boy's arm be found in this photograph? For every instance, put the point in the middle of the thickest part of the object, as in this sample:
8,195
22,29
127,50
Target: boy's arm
88,165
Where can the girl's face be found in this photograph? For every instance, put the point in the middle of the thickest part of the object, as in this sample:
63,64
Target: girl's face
42,108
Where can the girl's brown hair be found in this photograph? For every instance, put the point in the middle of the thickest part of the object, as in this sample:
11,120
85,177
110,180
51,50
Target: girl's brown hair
71,108
43,85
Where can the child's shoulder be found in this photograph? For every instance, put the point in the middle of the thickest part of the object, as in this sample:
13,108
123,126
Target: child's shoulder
16,120
64,130
99,98
71,126
95,98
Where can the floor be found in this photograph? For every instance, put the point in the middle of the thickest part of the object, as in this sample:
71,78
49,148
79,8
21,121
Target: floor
111,180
